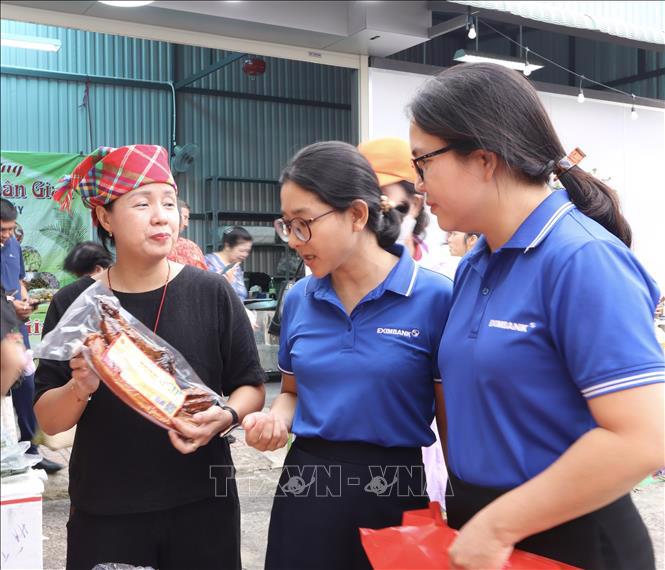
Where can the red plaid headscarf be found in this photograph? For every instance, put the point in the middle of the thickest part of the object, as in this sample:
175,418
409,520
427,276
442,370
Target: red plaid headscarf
108,173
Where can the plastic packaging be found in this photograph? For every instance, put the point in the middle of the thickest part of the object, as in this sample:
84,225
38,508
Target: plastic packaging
15,460
138,366
423,541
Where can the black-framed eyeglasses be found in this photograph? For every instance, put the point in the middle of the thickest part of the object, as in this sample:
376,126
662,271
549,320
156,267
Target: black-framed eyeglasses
299,227
418,159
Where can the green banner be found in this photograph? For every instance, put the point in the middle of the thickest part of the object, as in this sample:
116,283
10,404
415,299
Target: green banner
46,234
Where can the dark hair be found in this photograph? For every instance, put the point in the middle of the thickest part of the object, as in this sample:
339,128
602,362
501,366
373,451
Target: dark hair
8,320
487,106
234,235
85,256
8,211
104,237
182,205
422,219
338,174
467,235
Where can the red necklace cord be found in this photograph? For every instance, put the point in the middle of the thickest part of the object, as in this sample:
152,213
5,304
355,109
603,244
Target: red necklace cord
161,303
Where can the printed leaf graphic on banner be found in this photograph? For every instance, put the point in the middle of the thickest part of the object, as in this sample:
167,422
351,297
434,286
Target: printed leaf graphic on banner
66,231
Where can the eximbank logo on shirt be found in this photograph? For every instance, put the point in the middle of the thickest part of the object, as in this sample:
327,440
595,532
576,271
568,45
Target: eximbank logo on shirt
413,333
510,326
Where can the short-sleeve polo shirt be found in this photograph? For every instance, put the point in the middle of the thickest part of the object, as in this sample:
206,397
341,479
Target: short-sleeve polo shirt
562,313
368,376
11,260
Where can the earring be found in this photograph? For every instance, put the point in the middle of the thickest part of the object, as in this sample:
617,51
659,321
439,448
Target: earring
110,234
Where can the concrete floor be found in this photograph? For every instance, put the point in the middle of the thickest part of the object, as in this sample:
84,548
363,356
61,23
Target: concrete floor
261,470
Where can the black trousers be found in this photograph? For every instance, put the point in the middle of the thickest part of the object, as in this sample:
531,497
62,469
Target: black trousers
23,399
328,490
613,537
197,536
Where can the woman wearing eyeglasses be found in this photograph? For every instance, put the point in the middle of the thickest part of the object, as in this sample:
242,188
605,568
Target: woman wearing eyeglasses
357,352
553,377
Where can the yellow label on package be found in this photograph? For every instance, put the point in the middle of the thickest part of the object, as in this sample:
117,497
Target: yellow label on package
142,374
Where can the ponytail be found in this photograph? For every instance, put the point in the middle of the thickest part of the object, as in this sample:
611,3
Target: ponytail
389,227
598,201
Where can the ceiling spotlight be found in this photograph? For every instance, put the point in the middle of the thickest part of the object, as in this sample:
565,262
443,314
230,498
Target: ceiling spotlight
633,112
580,97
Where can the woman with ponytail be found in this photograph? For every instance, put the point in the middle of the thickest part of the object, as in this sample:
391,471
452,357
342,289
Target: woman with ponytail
358,348
552,376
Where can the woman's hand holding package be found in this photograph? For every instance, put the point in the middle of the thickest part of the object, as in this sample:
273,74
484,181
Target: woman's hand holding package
265,431
206,425
478,546
84,381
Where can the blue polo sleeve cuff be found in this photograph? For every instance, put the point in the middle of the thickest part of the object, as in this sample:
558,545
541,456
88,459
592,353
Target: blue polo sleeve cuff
624,382
284,370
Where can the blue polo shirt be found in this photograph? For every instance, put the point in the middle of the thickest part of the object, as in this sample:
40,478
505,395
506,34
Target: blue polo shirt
11,263
368,376
562,313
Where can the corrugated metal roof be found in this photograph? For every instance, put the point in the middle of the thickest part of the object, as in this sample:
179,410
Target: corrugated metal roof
637,20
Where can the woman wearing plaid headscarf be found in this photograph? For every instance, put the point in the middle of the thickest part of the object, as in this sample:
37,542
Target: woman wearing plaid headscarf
157,502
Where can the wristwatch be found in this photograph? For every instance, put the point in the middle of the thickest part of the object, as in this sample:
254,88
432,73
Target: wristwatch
235,422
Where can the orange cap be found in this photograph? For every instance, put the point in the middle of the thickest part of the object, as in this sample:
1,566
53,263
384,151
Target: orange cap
390,158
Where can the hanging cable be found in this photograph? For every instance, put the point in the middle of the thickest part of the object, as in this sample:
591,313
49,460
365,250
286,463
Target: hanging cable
570,71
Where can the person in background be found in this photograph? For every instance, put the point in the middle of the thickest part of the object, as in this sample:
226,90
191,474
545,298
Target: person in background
358,345
460,243
12,349
87,258
11,278
168,499
185,251
391,161
552,375
236,247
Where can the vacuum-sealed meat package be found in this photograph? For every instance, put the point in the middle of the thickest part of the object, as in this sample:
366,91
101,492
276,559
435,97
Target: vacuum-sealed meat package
138,366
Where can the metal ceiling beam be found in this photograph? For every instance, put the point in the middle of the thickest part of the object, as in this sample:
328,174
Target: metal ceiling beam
82,77
208,70
637,77
266,98
448,26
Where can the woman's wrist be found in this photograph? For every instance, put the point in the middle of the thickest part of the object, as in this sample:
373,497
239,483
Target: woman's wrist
78,395
501,521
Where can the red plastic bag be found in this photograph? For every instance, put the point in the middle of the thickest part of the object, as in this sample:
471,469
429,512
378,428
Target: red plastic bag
422,542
